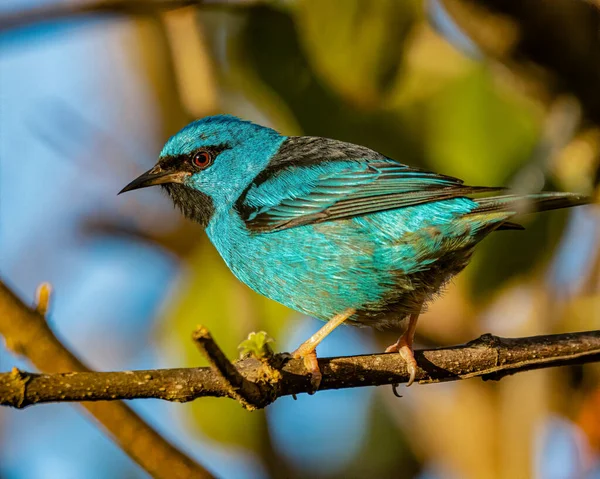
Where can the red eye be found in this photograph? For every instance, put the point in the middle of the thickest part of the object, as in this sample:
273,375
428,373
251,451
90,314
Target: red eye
202,159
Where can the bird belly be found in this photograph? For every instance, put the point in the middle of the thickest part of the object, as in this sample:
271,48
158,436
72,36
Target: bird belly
371,264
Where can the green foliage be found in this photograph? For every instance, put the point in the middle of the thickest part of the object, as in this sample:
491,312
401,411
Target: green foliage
476,132
257,345
364,73
269,50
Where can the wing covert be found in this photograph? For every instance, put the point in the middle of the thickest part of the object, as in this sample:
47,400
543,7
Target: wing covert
299,193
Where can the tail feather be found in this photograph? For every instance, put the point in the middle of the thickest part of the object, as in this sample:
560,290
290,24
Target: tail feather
523,204
509,225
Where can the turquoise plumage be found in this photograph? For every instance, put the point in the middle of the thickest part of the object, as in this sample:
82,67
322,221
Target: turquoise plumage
333,230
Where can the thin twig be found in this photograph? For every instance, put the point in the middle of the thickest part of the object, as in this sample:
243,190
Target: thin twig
27,333
236,386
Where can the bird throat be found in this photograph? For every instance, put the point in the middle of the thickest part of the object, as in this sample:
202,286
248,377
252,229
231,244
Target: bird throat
194,204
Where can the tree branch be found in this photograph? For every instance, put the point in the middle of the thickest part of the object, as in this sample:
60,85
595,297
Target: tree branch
71,9
488,357
26,333
234,384
255,383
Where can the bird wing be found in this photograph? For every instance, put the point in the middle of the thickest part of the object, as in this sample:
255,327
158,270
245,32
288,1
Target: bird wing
301,193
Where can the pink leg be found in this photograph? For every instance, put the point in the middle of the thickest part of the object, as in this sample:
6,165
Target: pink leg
404,346
307,350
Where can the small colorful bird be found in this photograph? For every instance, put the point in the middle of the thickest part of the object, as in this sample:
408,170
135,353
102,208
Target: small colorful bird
331,229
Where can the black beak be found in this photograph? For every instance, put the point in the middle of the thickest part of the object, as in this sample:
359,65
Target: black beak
155,176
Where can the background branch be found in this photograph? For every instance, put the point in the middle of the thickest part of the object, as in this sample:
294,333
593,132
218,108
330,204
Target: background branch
255,383
101,7
26,333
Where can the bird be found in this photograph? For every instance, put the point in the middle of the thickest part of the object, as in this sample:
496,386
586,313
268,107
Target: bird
333,230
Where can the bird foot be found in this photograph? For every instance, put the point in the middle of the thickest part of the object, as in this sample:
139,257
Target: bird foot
405,350
312,365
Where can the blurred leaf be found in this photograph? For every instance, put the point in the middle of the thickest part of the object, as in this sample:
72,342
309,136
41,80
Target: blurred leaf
269,50
356,46
478,133
430,63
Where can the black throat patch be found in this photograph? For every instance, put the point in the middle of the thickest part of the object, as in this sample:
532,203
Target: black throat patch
194,204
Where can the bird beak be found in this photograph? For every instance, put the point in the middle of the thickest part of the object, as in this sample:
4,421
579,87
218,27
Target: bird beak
155,176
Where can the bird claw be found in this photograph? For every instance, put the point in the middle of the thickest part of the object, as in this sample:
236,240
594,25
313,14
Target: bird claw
312,366
411,364
395,390
403,348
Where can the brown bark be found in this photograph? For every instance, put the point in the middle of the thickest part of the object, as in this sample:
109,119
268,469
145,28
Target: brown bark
26,333
252,382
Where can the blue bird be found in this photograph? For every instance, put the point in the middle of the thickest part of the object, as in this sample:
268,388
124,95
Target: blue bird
333,230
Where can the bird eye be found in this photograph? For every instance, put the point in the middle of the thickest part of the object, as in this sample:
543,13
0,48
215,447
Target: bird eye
202,159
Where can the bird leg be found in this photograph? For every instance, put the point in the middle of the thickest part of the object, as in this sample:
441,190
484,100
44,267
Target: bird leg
307,350
404,346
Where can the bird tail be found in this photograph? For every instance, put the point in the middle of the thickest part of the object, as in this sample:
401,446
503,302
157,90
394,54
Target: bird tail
524,204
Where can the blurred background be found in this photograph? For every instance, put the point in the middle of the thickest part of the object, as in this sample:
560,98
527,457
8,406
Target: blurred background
506,94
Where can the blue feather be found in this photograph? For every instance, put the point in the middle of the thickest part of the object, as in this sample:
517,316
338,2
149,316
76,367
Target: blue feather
323,226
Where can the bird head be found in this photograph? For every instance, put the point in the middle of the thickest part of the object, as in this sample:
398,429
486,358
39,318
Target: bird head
207,165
